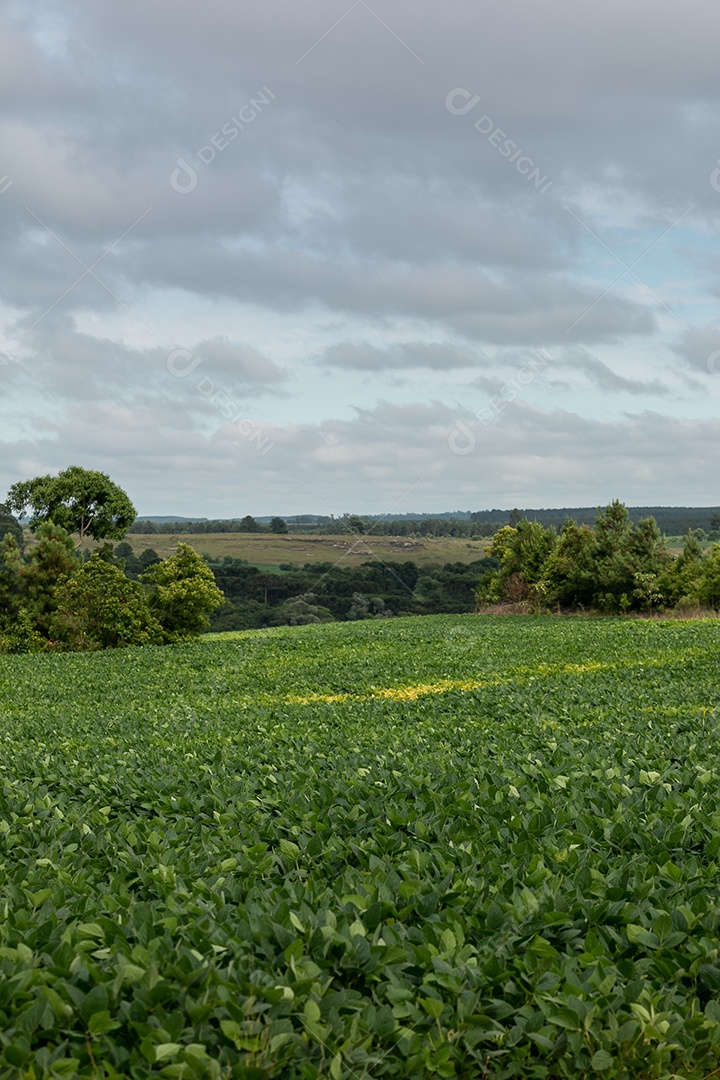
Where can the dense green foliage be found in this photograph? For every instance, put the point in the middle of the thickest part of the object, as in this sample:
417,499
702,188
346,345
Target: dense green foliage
258,598
100,608
28,581
671,520
617,566
50,598
183,592
10,524
454,846
78,500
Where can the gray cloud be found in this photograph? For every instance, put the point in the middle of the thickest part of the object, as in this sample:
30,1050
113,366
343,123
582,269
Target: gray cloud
349,206
414,354
604,378
398,456
700,350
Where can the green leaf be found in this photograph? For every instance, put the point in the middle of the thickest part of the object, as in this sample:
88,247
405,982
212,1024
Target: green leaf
95,1001
100,1023
164,1051
566,1018
336,1067
311,1011
638,935
602,1061
131,973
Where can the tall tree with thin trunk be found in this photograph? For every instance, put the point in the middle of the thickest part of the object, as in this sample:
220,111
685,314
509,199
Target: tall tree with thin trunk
81,501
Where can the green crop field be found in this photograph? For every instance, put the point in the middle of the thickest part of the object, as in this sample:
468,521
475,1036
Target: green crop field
441,847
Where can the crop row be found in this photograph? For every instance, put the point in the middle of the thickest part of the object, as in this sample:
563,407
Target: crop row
456,846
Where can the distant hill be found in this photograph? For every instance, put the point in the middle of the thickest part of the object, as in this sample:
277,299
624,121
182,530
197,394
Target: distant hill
672,520
168,518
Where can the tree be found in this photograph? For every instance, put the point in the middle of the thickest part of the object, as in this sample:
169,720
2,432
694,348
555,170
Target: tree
20,636
648,559
248,524
368,607
278,525
148,557
10,580
680,583
9,526
522,552
99,608
78,500
614,577
502,540
709,583
48,565
183,593
629,560
356,524
569,571
301,611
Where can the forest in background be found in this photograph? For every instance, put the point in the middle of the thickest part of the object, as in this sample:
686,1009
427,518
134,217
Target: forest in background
671,520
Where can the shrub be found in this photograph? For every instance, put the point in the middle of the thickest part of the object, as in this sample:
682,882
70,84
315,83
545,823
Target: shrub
99,608
183,594
21,636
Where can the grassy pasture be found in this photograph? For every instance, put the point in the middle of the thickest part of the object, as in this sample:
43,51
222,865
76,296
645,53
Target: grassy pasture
269,551
451,846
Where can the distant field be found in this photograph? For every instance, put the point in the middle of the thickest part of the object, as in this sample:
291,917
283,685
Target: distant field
455,846
268,551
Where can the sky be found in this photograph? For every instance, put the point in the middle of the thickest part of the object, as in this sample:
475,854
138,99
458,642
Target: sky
374,257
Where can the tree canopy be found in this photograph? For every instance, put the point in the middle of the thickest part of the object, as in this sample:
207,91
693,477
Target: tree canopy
81,501
9,526
183,593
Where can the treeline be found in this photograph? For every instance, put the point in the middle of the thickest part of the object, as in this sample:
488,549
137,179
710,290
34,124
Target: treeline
352,525
672,521
322,592
247,524
615,566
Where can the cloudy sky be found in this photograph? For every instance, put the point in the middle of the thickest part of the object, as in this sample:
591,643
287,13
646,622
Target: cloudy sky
374,256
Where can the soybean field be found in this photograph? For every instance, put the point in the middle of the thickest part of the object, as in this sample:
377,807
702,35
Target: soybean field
451,846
